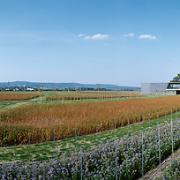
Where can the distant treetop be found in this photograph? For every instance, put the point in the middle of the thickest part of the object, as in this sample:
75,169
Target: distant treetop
176,78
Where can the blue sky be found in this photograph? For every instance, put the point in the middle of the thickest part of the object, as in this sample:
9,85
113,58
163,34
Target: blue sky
123,42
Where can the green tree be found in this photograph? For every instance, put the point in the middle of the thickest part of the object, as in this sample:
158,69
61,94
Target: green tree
176,78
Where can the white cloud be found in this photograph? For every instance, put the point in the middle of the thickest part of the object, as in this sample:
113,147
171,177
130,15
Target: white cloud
147,37
129,35
95,37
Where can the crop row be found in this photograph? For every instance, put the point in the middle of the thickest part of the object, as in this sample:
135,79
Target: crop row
126,158
15,96
91,95
37,123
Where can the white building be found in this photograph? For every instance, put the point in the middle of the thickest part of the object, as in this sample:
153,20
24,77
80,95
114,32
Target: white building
173,87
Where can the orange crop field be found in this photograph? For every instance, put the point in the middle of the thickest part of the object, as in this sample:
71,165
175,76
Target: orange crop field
42,122
14,96
80,95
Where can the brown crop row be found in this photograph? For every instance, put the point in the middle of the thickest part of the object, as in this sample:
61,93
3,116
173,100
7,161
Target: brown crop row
91,95
38,123
16,96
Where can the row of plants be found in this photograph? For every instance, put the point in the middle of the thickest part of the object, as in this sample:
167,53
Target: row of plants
16,96
127,158
91,95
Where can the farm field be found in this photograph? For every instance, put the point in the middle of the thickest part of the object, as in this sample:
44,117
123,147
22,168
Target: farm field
36,123
120,159
52,149
85,95
39,129
11,100
17,96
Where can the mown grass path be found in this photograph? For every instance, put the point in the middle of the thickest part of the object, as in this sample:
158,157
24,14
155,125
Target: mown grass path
4,105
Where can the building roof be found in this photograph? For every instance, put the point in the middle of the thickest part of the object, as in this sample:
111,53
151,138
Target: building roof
174,82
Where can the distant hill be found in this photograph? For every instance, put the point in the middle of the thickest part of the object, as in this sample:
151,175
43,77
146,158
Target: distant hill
61,86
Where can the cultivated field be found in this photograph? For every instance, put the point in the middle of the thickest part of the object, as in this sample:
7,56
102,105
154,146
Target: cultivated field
36,123
129,157
91,95
14,96
120,135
